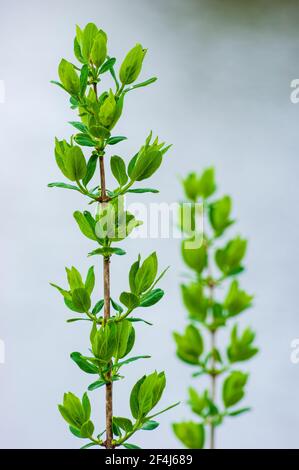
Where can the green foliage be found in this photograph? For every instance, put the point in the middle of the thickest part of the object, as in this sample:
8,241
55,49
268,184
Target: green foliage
76,413
212,300
240,348
199,186
233,388
112,334
131,66
146,393
189,345
191,434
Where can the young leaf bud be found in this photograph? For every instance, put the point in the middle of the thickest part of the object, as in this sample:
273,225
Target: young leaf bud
131,66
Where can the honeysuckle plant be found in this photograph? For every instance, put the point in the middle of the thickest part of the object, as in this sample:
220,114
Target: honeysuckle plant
112,332
214,298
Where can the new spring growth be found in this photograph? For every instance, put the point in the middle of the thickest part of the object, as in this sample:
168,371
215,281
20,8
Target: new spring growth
112,323
213,299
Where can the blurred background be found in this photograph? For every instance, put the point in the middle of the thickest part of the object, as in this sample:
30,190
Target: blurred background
222,98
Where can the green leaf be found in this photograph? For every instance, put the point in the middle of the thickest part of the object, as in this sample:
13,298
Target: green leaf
196,401
96,384
151,298
89,33
58,84
142,84
146,164
149,425
104,342
219,213
84,225
238,412
142,190
87,429
99,131
75,163
90,169
131,446
165,409
124,339
118,169
69,77
98,307
107,65
195,258
131,66
233,388
99,49
150,392
116,306
116,139
236,300
84,364
79,125
194,301
72,320
85,140
131,359
191,434
189,345
66,294
206,183
123,423
228,259
83,79
130,300
131,165
240,347
100,383
107,111
74,278
90,444
190,185
132,274
146,274
134,402
81,300
63,185
90,280
132,319
107,251
75,432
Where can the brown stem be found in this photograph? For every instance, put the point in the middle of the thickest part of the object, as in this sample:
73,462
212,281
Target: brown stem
106,274
109,389
103,180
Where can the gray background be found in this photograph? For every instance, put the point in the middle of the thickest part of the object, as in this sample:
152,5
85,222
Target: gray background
222,99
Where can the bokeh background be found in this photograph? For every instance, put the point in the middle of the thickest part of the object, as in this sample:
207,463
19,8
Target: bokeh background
223,99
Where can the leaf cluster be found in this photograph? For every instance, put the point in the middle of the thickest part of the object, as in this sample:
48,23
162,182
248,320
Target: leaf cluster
209,310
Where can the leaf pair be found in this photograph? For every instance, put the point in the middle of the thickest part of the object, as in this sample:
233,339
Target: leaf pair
77,298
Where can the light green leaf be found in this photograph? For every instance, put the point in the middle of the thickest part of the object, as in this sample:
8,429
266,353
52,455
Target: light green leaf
118,169
191,434
81,300
63,185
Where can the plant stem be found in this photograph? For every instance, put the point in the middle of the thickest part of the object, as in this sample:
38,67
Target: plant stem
106,274
109,386
213,387
213,376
